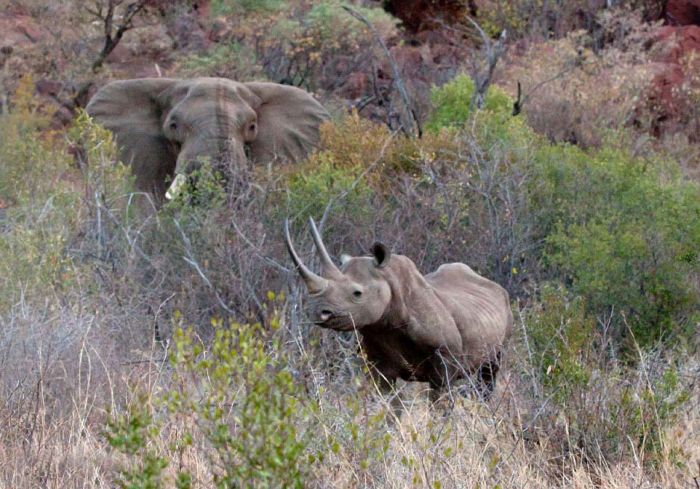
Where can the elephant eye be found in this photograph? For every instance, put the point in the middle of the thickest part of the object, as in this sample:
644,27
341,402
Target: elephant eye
251,128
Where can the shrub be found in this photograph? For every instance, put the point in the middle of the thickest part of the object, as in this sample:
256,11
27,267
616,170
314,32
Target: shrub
605,408
573,93
244,405
561,335
622,231
244,367
329,185
626,233
228,7
40,221
226,60
452,103
310,44
130,435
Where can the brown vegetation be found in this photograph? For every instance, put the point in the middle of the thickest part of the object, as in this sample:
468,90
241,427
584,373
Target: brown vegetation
170,348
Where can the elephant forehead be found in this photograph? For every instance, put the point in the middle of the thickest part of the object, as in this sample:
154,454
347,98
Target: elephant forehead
217,89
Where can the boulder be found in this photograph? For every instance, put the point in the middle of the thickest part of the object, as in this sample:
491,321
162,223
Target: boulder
676,62
18,30
683,12
420,15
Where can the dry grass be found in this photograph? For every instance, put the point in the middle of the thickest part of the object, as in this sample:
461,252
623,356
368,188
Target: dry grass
61,375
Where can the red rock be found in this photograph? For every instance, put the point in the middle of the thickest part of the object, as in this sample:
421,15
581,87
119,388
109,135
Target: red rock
683,12
676,59
676,42
419,15
666,77
19,30
356,85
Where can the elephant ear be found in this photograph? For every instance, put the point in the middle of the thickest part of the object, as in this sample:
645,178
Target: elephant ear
288,122
133,111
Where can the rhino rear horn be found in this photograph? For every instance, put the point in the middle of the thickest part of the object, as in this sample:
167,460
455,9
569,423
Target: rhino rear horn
328,268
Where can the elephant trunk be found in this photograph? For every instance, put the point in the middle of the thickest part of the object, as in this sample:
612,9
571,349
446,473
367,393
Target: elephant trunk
222,153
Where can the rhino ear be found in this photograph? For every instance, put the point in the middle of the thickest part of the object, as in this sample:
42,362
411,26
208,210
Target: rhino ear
288,122
381,254
133,111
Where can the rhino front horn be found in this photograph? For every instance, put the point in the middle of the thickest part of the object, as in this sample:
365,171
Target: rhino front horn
315,283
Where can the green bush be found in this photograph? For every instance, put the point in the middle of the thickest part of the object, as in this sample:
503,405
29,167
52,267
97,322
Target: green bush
228,60
327,20
130,435
625,233
622,231
452,103
560,334
228,7
242,369
47,210
244,406
328,185
303,43
609,407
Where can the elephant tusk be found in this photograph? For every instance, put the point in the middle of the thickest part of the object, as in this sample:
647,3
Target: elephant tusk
176,186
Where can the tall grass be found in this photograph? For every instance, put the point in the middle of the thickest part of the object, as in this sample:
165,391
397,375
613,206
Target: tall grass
145,349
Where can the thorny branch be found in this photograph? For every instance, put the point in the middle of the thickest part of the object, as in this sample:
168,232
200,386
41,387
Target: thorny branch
482,75
112,37
412,125
520,100
190,260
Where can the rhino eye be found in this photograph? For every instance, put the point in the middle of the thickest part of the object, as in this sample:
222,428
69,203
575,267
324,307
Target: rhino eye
357,293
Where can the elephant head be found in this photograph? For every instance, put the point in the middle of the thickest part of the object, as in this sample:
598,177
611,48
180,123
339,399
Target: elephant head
168,126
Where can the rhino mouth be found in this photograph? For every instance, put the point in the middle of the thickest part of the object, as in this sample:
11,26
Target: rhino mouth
338,322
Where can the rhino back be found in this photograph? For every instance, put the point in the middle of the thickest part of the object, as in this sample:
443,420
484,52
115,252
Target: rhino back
479,307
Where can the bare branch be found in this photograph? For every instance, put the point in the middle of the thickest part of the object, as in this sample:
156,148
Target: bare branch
412,125
520,101
112,37
190,260
482,75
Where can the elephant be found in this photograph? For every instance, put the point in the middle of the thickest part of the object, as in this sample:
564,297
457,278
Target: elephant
166,127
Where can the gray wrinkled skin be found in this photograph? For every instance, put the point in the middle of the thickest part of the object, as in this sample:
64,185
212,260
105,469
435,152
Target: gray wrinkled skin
437,328
165,126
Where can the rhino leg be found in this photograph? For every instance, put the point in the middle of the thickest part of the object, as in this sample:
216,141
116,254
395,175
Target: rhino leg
486,382
441,398
436,392
387,388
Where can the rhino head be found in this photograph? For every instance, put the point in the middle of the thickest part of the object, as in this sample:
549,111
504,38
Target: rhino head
353,296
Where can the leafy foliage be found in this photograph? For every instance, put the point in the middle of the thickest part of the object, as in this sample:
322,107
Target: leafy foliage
298,45
452,103
626,233
622,231
605,404
311,193
257,442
